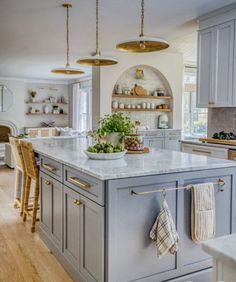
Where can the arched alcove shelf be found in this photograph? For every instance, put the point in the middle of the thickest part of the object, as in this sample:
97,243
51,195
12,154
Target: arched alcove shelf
145,108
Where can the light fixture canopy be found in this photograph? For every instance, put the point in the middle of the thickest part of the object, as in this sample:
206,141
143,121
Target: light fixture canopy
143,44
67,69
97,59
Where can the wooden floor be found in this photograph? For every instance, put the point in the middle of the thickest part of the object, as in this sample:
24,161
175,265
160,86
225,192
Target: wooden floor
23,256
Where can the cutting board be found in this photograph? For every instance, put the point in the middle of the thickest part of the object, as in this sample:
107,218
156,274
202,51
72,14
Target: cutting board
218,141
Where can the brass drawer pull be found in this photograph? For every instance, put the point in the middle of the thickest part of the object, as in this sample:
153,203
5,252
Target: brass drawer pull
77,202
78,182
49,167
199,151
47,182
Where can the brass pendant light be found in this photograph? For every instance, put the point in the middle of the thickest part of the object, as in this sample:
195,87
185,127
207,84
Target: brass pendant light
67,69
97,59
143,43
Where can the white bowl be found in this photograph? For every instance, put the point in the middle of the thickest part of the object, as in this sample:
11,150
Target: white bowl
105,156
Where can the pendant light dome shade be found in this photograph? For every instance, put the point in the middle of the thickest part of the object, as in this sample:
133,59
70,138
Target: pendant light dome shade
143,44
67,69
97,59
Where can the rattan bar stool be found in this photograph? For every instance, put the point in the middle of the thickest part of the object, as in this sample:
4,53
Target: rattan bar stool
32,173
20,174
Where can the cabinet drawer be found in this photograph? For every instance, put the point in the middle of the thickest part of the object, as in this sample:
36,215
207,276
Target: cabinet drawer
172,133
155,134
201,276
51,167
203,150
86,185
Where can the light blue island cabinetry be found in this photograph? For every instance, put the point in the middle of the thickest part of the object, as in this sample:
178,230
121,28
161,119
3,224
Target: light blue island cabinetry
99,230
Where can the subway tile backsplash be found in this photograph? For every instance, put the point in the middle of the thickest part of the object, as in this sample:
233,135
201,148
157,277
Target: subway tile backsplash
221,119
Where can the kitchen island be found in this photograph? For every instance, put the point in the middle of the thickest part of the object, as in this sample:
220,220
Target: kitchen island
97,224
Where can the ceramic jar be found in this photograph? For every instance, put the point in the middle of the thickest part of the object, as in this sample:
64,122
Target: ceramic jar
121,106
148,105
144,105
152,106
115,105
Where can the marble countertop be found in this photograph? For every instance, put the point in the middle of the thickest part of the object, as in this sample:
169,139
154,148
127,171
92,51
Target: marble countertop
223,249
196,142
70,152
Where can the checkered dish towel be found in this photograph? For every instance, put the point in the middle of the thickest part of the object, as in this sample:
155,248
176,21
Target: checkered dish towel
164,232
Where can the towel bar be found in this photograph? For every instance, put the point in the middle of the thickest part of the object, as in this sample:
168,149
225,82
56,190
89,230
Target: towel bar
220,182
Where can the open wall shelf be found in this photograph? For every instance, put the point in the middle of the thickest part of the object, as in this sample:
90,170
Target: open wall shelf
141,110
141,97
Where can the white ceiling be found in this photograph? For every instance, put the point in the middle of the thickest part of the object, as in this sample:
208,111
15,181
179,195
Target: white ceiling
32,32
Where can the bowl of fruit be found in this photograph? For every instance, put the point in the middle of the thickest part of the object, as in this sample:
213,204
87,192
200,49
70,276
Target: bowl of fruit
105,151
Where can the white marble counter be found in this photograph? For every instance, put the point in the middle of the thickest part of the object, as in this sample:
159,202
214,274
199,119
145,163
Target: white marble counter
222,249
70,152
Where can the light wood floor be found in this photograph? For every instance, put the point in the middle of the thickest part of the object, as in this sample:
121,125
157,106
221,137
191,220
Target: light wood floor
23,256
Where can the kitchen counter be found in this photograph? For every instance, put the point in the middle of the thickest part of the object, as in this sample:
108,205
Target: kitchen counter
95,216
223,251
70,152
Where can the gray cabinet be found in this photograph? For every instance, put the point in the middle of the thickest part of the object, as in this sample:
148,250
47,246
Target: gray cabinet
50,208
215,65
163,139
84,235
206,66
195,256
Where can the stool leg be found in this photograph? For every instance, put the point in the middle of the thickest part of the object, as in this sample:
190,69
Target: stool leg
35,207
26,197
23,194
17,188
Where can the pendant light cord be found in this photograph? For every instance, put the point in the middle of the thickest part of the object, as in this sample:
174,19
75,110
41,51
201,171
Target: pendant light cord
97,31
142,18
67,38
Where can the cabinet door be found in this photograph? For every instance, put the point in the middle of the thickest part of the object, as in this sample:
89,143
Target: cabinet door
172,143
223,94
206,67
51,208
194,254
71,227
156,143
45,204
84,235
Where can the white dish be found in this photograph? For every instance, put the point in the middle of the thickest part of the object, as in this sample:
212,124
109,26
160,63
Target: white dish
105,156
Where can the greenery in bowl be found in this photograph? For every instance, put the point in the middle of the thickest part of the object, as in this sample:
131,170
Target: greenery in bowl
107,148
115,123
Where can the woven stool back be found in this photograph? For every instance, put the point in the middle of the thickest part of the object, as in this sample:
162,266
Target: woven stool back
29,159
17,153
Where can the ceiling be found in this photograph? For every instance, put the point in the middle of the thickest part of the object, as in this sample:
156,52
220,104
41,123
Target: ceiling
32,32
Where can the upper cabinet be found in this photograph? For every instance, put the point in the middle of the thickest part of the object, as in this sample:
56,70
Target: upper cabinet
215,66
216,83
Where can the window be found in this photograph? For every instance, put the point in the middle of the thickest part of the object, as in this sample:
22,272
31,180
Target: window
194,119
82,107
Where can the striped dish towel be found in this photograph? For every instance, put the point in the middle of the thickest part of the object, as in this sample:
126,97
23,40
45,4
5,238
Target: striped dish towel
164,232
203,212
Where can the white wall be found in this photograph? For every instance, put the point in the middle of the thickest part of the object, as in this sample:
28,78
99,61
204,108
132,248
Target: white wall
16,113
20,90
169,64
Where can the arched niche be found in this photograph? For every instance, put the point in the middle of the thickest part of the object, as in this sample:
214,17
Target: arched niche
153,80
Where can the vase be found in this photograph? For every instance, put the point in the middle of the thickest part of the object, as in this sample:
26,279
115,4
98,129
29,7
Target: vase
113,138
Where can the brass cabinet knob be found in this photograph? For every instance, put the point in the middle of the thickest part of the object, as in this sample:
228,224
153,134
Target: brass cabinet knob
47,182
77,202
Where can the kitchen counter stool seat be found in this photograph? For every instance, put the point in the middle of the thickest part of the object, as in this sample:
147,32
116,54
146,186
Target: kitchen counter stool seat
32,173
19,173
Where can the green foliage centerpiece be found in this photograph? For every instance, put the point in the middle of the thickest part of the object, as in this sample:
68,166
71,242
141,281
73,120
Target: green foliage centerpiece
110,135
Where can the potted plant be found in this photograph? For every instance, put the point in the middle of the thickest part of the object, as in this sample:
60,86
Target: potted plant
113,128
